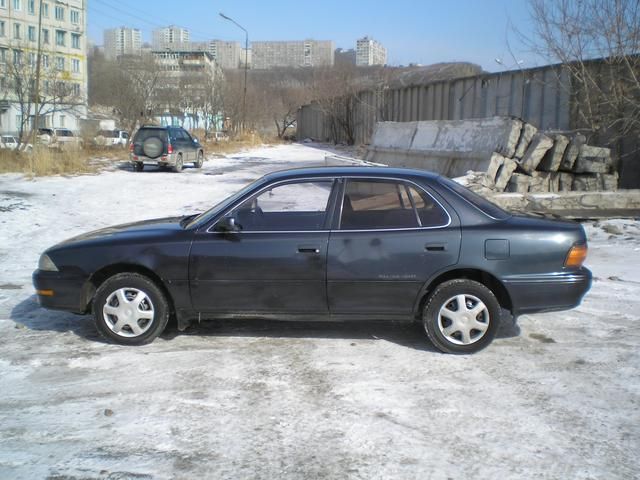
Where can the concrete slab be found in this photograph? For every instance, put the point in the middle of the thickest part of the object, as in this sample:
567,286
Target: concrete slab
519,183
571,153
526,135
504,174
552,160
537,149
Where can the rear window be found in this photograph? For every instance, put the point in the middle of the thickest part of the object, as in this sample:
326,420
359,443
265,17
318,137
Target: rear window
481,203
108,133
64,133
145,133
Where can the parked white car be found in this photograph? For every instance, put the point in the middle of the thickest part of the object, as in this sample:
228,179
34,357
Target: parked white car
59,138
8,141
112,138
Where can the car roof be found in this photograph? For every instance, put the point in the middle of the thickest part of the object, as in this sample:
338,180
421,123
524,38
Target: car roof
364,171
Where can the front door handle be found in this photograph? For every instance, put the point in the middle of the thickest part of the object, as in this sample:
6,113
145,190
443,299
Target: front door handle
435,247
305,249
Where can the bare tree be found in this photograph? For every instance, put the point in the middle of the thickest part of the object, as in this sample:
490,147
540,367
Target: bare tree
129,86
54,93
598,43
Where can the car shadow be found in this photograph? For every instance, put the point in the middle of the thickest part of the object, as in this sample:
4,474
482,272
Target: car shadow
29,314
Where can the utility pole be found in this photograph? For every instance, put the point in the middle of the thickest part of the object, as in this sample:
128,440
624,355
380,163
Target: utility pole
246,67
36,116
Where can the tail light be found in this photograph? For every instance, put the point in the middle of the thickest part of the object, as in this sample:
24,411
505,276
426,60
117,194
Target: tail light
576,256
131,147
170,149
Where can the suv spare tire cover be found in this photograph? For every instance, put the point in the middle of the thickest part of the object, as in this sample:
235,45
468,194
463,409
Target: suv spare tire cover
153,147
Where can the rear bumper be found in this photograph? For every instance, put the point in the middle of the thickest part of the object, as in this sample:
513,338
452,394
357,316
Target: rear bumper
548,292
164,160
62,292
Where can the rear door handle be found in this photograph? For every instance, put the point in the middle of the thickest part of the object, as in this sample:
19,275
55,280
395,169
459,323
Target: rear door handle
435,247
305,249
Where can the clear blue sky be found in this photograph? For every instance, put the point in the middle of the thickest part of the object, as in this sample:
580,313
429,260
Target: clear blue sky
426,31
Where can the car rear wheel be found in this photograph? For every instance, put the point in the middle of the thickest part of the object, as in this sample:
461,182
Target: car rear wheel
138,166
130,309
178,166
199,161
461,316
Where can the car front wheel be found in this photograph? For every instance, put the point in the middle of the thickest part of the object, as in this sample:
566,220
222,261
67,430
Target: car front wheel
461,316
130,309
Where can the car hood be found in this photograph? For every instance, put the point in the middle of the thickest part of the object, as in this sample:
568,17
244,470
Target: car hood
131,231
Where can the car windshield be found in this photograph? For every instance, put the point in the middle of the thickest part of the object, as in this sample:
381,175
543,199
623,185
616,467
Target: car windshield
484,205
224,204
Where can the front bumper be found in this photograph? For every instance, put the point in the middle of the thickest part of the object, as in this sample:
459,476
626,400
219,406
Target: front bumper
60,291
548,292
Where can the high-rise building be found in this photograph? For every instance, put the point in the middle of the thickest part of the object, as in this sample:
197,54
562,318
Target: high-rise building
171,38
370,52
122,41
345,57
61,81
226,54
303,53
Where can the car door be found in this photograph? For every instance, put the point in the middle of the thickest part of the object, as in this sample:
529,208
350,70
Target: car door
190,145
391,236
275,259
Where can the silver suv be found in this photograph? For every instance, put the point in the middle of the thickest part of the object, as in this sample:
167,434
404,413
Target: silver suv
164,147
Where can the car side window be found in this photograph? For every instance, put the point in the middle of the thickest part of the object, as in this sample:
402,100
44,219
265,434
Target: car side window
386,204
289,207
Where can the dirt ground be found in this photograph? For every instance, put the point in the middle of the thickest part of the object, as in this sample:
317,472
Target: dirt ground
555,397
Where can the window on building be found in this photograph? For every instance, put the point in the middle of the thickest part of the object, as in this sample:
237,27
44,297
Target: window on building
17,57
2,28
75,40
75,17
76,89
3,3
3,55
45,10
61,38
17,31
33,59
32,6
60,63
45,61
63,121
45,36
75,65
45,87
31,33
17,5
59,13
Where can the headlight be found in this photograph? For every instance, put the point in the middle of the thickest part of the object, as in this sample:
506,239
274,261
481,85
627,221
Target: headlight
46,264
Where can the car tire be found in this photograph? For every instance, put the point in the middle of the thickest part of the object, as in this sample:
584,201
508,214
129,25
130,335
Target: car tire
461,316
179,164
130,309
199,161
138,166
153,147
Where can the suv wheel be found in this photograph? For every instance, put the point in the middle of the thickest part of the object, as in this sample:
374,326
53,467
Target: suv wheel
178,166
461,316
138,166
198,163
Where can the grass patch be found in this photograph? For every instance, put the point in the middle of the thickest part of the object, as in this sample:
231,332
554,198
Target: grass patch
45,161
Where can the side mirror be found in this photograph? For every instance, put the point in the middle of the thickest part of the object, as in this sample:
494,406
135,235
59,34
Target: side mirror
228,224
195,140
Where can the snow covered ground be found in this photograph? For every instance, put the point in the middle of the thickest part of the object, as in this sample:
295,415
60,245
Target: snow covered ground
557,397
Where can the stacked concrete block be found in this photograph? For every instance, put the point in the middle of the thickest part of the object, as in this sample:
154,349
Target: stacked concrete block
506,152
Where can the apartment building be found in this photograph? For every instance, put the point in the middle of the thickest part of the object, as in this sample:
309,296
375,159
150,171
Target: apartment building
226,54
122,41
303,53
171,38
370,52
61,44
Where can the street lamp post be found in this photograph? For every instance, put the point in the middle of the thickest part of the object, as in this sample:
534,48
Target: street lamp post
246,66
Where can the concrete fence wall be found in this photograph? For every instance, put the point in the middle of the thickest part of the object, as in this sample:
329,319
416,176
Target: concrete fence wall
541,96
